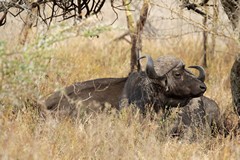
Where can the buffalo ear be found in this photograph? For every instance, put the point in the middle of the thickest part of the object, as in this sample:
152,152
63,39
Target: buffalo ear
165,83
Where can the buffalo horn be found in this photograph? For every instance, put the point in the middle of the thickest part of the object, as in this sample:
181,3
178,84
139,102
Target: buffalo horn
202,73
151,73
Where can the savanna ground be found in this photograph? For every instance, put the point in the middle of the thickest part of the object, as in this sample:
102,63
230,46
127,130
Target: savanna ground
31,72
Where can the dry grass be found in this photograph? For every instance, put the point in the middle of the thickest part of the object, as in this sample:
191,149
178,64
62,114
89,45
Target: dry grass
24,135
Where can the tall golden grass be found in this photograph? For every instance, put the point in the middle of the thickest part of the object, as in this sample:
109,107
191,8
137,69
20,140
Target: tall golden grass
32,73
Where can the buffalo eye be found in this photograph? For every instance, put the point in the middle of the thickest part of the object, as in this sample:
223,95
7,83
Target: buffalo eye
177,75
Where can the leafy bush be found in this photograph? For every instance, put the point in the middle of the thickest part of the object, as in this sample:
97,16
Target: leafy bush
21,74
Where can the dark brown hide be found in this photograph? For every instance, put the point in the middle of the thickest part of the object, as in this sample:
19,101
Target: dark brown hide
198,115
92,94
235,84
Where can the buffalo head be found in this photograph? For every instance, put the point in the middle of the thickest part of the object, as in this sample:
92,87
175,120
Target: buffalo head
175,80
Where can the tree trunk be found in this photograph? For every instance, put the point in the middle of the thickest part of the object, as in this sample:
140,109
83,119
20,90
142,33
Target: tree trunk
214,27
235,84
231,8
205,41
136,32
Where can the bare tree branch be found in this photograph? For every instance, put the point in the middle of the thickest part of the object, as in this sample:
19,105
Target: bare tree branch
193,6
64,9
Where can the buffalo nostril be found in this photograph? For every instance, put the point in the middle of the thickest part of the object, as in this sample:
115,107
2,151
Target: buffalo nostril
203,87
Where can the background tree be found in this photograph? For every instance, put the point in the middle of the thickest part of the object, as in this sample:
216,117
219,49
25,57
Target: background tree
232,9
135,30
45,11
48,10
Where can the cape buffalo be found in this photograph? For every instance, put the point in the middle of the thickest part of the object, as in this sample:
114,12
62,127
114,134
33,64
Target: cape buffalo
165,83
